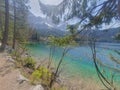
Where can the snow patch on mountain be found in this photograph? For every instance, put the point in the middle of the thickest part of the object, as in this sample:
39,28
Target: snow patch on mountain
72,21
50,25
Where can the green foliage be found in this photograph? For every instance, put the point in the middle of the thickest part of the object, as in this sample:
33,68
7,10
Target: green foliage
45,72
62,41
16,55
18,59
22,36
21,22
72,28
36,76
66,42
21,60
29,62
96,20
0,35
42,75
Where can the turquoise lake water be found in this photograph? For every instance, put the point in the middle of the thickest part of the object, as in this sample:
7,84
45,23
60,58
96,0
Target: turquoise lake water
78,61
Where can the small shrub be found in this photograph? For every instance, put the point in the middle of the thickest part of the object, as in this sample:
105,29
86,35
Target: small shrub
15,55
36,76
41,74
29,63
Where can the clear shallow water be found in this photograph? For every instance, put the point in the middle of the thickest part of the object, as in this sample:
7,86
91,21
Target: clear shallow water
78,61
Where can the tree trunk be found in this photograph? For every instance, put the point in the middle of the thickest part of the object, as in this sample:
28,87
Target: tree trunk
14,32
58,66
5,33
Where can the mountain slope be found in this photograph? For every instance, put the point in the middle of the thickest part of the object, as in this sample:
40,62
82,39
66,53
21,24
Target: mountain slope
46,29
67,9
107,35
67,12
43,27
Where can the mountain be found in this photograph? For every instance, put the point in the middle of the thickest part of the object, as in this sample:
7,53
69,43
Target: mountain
67,9
43,26
57,17
46,28
107,35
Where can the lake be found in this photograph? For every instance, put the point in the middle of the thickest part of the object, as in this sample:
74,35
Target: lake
78,61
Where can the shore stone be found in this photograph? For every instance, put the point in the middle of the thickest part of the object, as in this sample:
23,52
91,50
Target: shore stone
38,87
10,59
21,79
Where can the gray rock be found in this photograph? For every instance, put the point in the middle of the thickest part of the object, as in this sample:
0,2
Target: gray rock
21,79
38,87
9,58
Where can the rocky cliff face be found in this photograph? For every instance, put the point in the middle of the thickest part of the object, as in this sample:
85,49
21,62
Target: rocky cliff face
57,18
67,9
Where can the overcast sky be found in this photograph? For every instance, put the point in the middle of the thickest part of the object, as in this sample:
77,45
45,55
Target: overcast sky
35,6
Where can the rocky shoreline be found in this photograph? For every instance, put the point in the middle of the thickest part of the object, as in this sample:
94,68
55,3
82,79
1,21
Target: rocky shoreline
11,77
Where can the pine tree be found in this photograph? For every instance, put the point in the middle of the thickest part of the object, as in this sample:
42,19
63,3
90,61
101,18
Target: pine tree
14,32
5,34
